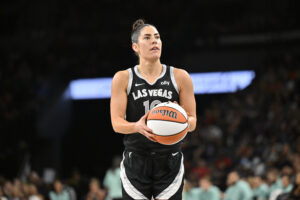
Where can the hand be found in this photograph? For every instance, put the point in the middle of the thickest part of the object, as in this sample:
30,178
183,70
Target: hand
186,113
142,128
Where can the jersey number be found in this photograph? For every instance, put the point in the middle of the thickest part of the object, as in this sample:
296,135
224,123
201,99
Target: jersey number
147,107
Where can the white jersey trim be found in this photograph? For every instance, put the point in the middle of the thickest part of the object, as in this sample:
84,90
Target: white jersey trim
173,79
128,187
129,81
140,76
174,186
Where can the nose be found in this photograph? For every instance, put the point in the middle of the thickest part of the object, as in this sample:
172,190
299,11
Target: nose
154,41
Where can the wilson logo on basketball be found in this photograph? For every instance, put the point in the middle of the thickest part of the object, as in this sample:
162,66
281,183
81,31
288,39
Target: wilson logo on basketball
168,122
168,113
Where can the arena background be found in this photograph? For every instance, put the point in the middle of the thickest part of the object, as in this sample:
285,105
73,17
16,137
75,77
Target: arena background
46,44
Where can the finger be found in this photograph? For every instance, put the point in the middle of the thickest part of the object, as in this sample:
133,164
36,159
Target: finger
150,136
176,102
146,114
148,129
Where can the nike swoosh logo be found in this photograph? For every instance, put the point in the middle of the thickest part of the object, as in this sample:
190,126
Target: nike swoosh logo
138,84
174,154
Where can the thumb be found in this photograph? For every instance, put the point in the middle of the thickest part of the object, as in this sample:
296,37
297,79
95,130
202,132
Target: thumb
146,114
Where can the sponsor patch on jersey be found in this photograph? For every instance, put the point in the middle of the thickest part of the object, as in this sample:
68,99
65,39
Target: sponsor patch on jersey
165,83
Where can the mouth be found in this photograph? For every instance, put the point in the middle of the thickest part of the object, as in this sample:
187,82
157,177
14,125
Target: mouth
154,49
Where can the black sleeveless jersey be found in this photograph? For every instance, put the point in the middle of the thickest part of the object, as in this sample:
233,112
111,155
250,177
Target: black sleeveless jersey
143,96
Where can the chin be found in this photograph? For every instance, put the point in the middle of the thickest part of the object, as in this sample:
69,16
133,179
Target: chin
154,57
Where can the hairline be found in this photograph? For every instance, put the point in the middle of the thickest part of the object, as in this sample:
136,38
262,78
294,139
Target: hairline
140,29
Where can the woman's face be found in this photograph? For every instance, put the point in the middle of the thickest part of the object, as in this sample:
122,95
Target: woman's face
58,186
94,186
149,44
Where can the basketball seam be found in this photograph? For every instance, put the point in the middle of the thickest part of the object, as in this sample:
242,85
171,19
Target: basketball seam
172,134
167,121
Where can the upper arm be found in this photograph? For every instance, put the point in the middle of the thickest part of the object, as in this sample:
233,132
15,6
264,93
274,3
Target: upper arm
186,91
118,100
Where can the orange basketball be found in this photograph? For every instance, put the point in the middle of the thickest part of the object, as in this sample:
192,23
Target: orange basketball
168,122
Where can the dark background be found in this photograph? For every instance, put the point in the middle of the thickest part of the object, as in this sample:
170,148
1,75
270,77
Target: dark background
46,44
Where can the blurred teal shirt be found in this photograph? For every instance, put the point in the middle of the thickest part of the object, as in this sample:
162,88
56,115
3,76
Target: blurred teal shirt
213,193
276,185
62,196
112,181
261,192
287,188
239,191
192,194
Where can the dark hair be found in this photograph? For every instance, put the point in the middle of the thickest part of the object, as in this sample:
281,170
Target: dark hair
137,26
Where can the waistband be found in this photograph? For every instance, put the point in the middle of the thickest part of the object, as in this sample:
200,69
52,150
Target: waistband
153,153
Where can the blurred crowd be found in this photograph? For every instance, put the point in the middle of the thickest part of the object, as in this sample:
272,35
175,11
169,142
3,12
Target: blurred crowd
33,186
246,143
246,146
254,134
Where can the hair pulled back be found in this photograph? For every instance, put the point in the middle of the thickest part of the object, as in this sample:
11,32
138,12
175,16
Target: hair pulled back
137,26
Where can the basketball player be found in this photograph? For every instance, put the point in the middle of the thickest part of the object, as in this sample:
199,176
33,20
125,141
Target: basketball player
149,169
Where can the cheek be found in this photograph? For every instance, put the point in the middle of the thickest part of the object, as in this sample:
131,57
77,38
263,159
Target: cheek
143,47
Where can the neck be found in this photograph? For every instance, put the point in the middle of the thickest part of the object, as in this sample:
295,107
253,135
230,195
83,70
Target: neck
147,67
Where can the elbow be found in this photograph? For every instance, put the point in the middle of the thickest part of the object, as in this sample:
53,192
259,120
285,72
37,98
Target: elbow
193,124
115,128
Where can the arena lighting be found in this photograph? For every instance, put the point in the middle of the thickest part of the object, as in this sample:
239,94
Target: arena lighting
204,83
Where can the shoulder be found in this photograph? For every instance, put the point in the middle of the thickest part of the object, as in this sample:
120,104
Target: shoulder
215,189
120,80
180,74
180,71
121,75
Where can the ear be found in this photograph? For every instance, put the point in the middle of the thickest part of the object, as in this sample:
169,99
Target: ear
135,47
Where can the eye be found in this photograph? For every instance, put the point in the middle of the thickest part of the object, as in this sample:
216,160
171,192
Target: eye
157,37
147,38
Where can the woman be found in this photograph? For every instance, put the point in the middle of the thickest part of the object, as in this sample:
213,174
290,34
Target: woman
95,192
58,192
149,169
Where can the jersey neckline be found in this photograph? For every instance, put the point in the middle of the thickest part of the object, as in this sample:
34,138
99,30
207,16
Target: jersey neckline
160,76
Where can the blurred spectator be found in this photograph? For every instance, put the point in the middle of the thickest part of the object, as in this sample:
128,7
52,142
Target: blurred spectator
295,193
33,193
78,183
2,197
8,189
95,191
190,192
208,190
71,192
16,193
58,192
259,188
35,179
112,181
237,189
286,187
273,181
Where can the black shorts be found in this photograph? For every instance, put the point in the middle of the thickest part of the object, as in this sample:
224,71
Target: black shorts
152,175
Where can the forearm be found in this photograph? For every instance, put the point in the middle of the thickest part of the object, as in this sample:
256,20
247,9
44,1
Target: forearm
123,126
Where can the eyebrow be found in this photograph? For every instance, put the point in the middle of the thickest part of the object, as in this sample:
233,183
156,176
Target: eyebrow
147,34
